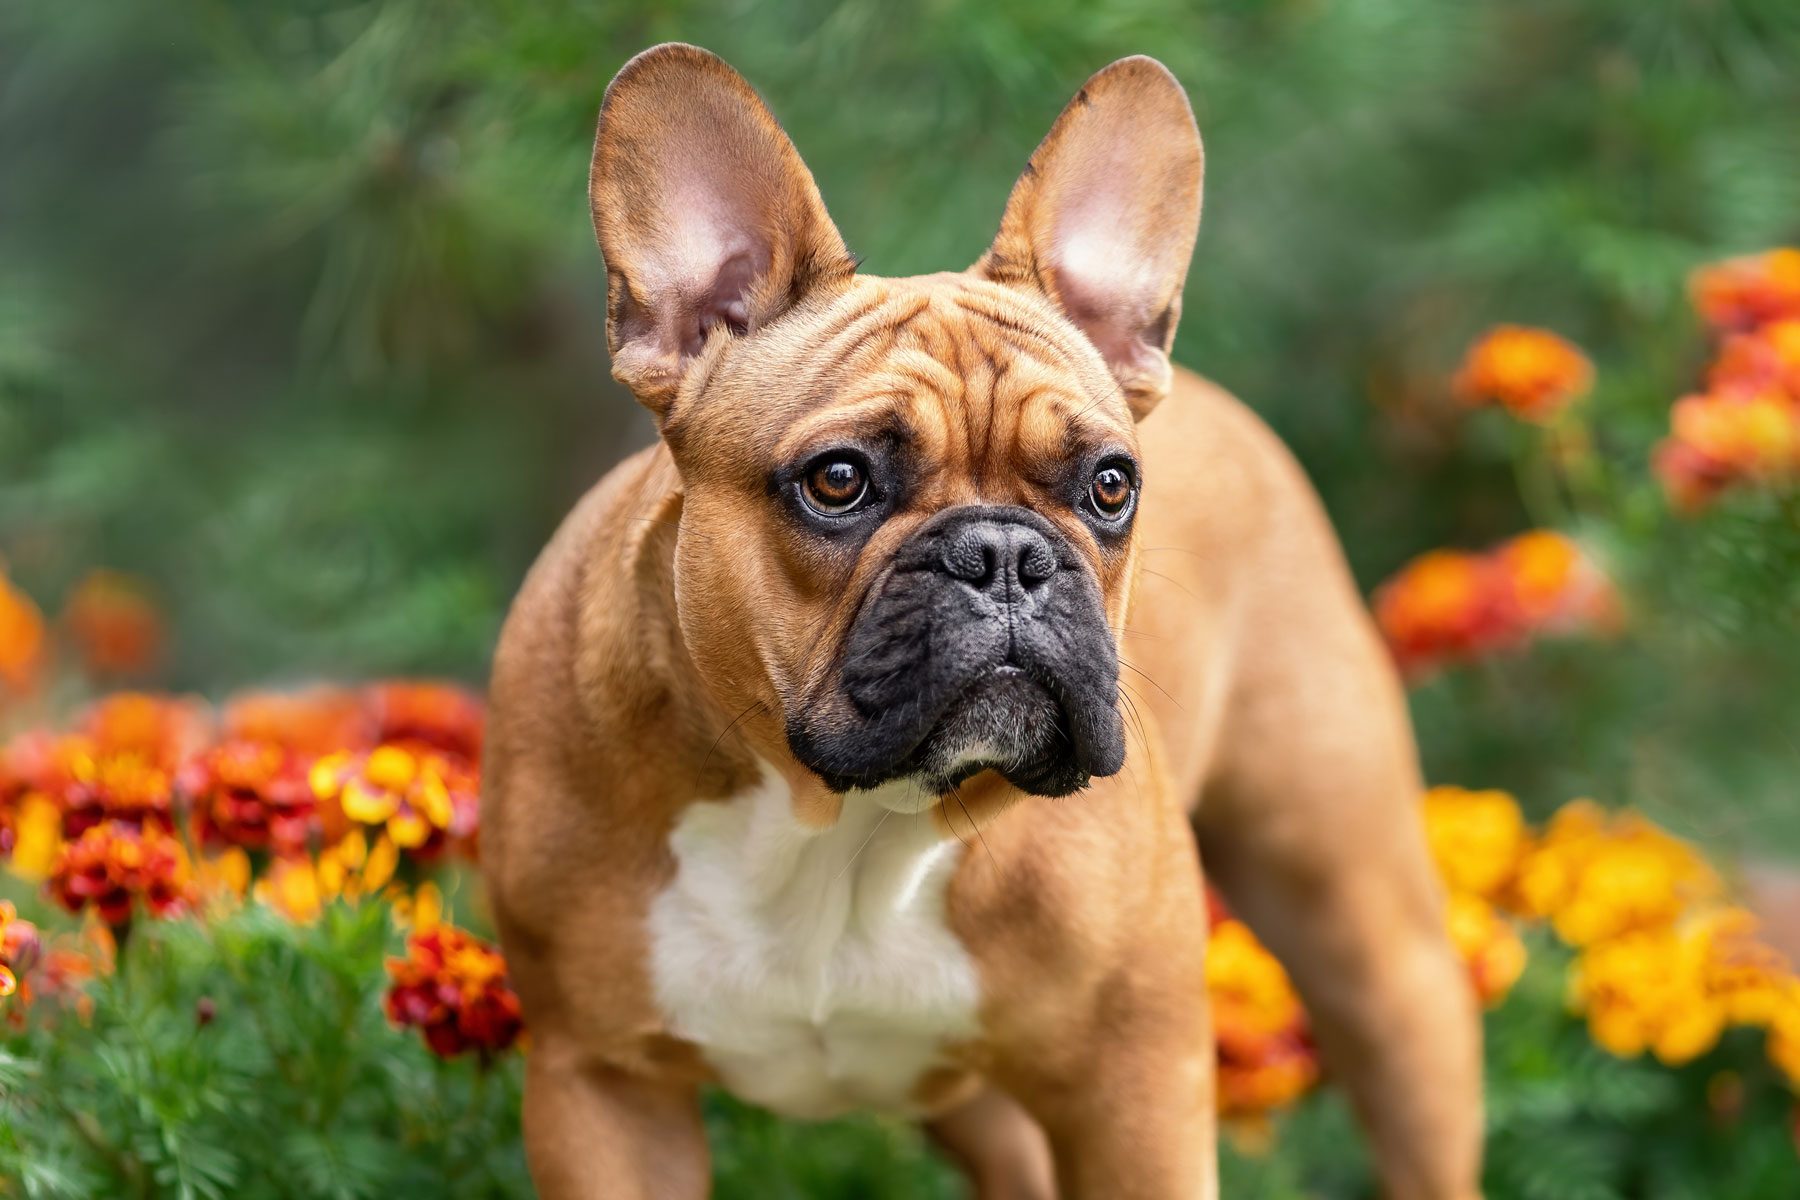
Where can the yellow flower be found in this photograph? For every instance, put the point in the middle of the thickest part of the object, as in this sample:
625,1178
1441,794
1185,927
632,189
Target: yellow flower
1477,838
1596,877
1488,943
1647,990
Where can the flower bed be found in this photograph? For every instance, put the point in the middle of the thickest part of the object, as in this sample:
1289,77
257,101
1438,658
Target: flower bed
239,932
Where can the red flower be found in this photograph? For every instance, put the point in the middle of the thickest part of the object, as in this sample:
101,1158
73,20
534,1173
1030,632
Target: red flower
440,716
123,787
252,794
114,868
452,987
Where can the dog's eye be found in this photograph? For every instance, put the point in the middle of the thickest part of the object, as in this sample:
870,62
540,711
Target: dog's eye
1110,493
835,486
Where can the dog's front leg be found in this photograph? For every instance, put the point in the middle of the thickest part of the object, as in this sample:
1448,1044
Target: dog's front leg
594,1134
1130,1116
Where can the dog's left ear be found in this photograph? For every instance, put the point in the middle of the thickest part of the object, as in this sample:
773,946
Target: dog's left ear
1104,218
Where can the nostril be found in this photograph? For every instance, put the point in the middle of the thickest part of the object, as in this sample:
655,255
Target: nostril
970,557
1036,561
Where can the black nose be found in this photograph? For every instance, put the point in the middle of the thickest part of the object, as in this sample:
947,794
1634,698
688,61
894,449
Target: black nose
999,557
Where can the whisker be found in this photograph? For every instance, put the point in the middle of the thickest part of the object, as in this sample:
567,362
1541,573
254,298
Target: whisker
1159,687
1169,579
700,774
885,814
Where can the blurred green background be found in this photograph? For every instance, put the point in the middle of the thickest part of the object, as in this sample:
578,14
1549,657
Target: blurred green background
301,318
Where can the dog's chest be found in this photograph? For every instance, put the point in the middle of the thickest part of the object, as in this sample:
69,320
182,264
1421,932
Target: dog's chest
814,970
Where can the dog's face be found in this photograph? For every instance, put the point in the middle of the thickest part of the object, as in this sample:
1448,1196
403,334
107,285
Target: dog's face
906,527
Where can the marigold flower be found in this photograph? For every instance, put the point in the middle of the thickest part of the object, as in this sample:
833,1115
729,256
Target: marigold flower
115,623
1597,877
20,946
122,786
1763,360
1532,373
1551,586
1742,293
114,867
1477,839
300,887
1266,1057
23,647
453,988
1439,607
252,794
439,716
1646,990
1488,944
309,722
163,730
421,800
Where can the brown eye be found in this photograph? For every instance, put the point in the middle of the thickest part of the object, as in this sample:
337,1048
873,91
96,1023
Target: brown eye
835,486
1111,491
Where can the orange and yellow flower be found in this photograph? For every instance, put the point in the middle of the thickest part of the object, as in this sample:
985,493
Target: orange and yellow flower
1477,839
1451,606
123,786
24,649
421,799
453,988
162,730
115,868
309,722
1742,293
1596,877
20,946
115,624
1488,944
1531,373
349,870
1266,1057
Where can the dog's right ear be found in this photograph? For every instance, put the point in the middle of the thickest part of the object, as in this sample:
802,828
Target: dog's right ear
709,222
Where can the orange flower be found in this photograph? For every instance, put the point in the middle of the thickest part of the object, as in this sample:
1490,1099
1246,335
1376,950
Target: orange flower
309,722
1647,991
164,730
452,987
1532,373
1450,605
113,868
1742,293
115,623
1551,586
1596,876
1488,944
438,716
19,948
23,649
1266,1057
251,794
1763,360
1439,607
422,800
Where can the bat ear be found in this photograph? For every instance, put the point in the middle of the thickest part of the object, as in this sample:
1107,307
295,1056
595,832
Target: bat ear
1104,218
709,222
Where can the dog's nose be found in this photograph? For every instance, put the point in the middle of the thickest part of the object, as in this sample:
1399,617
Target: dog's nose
999,557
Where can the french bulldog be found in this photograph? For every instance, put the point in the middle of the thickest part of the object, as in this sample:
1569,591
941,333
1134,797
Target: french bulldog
857,745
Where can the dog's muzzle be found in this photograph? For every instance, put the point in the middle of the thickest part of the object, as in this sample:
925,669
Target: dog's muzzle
984,646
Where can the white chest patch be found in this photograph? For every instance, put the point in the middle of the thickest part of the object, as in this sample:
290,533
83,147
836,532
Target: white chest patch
813,969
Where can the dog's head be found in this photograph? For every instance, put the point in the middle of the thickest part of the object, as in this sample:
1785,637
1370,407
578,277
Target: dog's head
905,537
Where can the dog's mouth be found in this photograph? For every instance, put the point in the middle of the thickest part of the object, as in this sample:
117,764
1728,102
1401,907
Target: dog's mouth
1007,722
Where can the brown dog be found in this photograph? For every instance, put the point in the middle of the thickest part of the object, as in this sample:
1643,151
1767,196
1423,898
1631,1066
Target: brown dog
775,711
